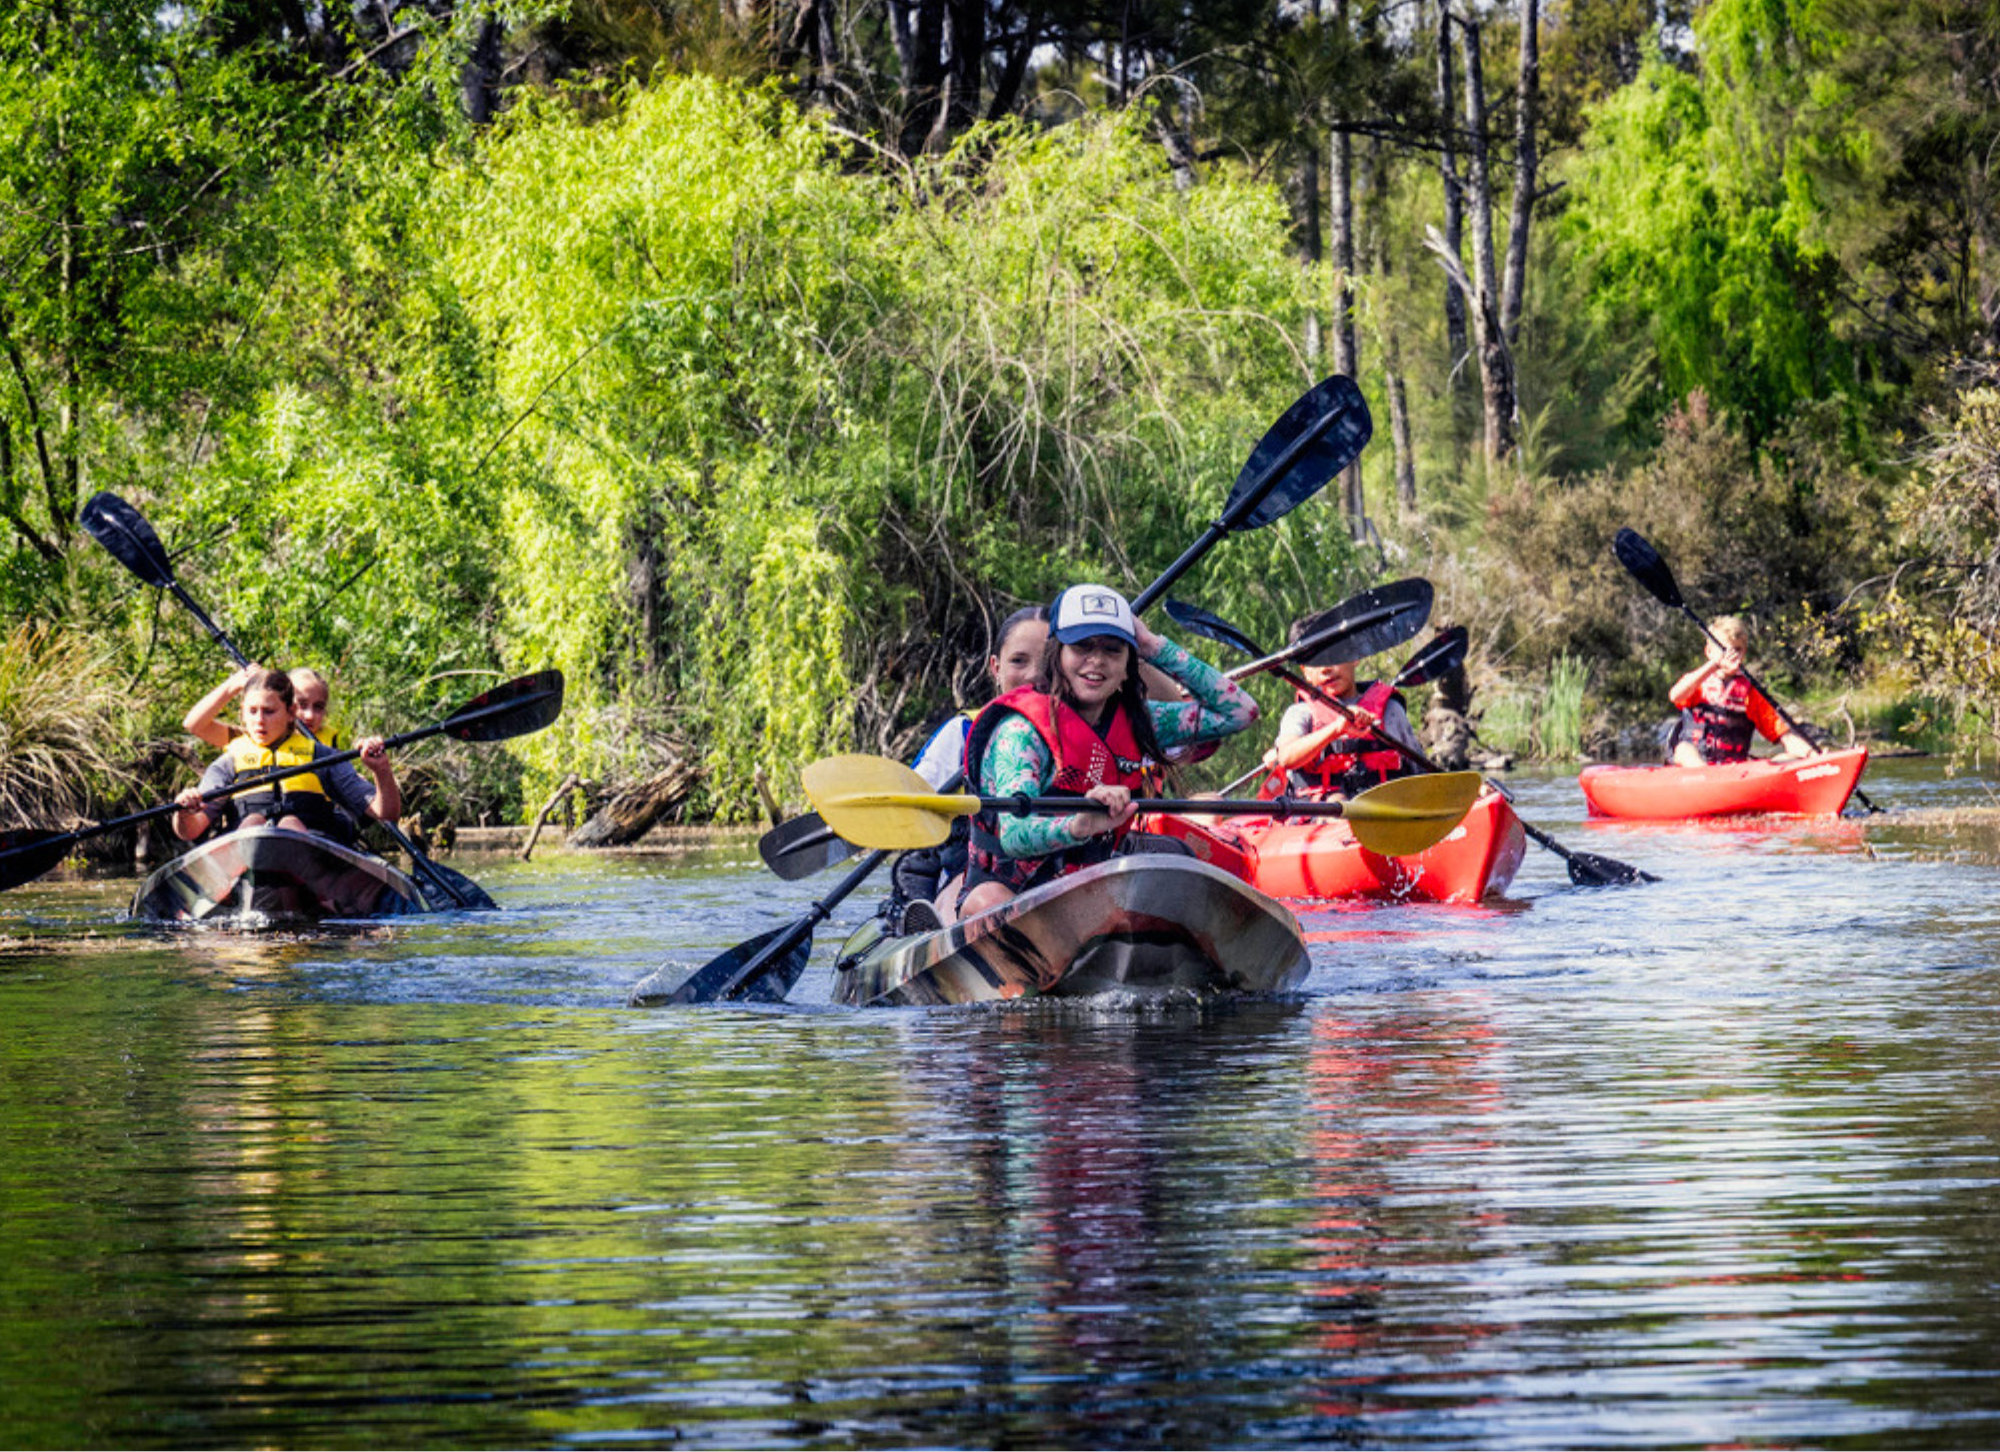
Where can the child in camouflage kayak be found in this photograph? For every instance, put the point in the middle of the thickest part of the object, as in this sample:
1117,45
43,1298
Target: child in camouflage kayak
1084,729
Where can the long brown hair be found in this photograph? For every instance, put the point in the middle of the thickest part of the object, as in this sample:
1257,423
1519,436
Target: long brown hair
1131,695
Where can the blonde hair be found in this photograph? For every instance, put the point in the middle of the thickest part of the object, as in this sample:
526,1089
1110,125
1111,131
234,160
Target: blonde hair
305,676
1732,629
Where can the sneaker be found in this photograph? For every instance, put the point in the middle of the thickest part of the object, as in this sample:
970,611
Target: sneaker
919,917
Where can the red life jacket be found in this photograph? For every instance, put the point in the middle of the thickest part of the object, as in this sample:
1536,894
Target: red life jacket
1351,764
1718,723
1084,758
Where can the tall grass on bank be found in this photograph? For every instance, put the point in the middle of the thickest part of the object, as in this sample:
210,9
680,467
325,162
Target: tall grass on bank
61,710
1560,720
1544,724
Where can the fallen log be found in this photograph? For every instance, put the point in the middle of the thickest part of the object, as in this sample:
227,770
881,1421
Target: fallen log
630,813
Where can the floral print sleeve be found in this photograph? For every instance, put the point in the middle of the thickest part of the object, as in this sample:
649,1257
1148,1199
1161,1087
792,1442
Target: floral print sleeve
1220,707
1018,762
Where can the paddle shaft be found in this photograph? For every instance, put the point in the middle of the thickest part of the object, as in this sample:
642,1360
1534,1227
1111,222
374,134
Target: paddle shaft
1585,861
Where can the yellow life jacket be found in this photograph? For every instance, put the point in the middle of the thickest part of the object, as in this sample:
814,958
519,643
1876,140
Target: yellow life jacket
294,750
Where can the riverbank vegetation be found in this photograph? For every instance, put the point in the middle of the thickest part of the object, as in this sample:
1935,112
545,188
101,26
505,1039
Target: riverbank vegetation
748,363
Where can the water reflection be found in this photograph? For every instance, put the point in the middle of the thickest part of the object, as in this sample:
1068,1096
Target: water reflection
1709,1161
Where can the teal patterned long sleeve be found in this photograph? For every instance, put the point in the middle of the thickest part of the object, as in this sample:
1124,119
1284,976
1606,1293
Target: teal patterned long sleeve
1220,707
1018,762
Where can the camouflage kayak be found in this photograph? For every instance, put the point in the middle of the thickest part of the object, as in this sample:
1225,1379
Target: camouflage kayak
266,877
1146,925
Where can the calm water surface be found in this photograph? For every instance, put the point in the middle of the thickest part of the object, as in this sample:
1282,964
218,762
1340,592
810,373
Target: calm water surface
1714,1161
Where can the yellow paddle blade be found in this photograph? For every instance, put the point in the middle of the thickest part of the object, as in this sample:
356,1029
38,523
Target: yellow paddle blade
1402,817
875,802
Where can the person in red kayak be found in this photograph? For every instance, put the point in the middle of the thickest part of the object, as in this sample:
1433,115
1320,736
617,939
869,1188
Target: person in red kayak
1335,751
1084,729
1721,712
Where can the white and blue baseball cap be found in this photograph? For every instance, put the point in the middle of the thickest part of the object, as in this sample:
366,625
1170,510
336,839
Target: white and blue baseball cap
1084,611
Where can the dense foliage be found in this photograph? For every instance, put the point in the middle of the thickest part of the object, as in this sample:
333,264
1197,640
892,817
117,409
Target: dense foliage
751,393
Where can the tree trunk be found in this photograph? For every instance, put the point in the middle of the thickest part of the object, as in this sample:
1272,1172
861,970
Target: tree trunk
962,73
1527,115
1346,357
1382,259
631,813
1495,373
902,33
1454,199
1020,51
479,77
1308,240
923,79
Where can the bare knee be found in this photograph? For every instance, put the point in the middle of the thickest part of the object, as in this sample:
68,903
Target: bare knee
1686,753
986,895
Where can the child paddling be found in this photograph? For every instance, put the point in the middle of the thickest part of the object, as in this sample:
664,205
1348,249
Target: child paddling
1086,729
1721,712
303,803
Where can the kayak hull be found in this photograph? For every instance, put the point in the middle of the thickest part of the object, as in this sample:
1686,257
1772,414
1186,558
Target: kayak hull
1148,925
267,877
1317,857
1813,786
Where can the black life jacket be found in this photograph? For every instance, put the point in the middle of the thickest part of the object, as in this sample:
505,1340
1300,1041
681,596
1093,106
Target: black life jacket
1719,722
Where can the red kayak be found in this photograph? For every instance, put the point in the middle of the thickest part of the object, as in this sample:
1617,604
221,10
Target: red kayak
1810,786
1317,857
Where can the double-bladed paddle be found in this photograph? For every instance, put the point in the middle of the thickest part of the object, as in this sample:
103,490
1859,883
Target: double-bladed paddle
1321,434
1649,569
1586,869
883,804
515,709
132,541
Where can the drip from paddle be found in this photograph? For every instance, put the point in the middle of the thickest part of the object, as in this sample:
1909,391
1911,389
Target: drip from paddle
1646,565
1321,434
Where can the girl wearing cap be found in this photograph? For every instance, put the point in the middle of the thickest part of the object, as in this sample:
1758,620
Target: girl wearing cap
1085,729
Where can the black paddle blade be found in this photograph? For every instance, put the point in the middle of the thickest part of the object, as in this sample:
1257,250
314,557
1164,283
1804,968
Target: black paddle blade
1587,869
1369,623
523,705
1338,446
125,532
772,962
1647,568
803,846
1440,658
1197,621
28,853
462,890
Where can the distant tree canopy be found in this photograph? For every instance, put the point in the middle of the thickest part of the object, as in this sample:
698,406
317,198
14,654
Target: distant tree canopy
748,361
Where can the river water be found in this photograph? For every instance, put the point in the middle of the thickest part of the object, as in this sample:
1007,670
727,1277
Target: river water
1712,1161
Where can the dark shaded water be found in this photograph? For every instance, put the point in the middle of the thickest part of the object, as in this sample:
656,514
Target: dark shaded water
1713,1161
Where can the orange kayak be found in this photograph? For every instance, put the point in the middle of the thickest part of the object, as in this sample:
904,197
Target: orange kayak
1317,857
1811,786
